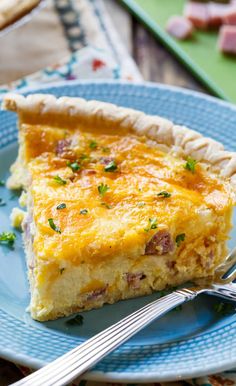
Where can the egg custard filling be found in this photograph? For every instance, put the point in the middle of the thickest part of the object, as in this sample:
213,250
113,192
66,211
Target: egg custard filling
119,204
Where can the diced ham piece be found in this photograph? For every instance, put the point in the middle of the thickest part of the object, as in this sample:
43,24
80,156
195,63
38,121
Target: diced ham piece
88,172
197,13
179,27
97,293
216,13
62,146
227,39
64,150
160,244
171,264
106,160
230,15
133,279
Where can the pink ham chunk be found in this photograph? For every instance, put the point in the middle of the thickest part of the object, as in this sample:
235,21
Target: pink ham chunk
133,279
227,39
197,13
161,243
230,15
179,27
216,13
62,146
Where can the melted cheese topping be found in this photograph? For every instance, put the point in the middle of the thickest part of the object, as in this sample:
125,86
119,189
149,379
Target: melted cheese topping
117,223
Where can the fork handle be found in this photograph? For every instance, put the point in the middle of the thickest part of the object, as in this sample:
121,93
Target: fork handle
74,363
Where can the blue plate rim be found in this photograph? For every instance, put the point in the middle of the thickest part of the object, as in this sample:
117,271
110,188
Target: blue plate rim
114,376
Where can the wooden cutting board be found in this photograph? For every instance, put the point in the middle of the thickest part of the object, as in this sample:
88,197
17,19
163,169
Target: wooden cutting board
199,54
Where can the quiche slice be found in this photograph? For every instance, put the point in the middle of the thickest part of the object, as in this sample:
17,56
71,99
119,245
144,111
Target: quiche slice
119,203
12,10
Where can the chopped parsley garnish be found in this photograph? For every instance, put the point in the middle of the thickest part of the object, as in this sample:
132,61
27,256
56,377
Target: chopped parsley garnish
83,211
190,164
102,189
93,145
61,206
178,308
62,270
166,291
15,194
106,205
7,238
152,224
2,203
54,226
84,157
179,238
73,165
76,321
111,167
105,150
59,180
224,308
164,194
2,183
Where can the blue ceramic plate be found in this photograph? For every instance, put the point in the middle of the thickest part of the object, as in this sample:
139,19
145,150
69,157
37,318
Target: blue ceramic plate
183,344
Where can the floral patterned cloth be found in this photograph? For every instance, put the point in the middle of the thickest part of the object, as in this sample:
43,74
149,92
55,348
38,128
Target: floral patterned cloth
94,48
95,51
87,63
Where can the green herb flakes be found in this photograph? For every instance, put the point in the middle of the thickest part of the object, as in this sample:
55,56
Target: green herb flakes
83,211
2,203
74,166
102,189
190,165
111,167
163,293
59,180
178,308
93,145
179,238
15,194
61,206
106,205
105,150
54,226
152,224
76,321
164,194
224,308
84,157
62,270
7,238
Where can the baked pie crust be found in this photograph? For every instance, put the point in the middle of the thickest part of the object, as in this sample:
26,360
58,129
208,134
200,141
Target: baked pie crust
119,203
12,10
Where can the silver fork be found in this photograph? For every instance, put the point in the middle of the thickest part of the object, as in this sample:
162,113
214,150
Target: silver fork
74,363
